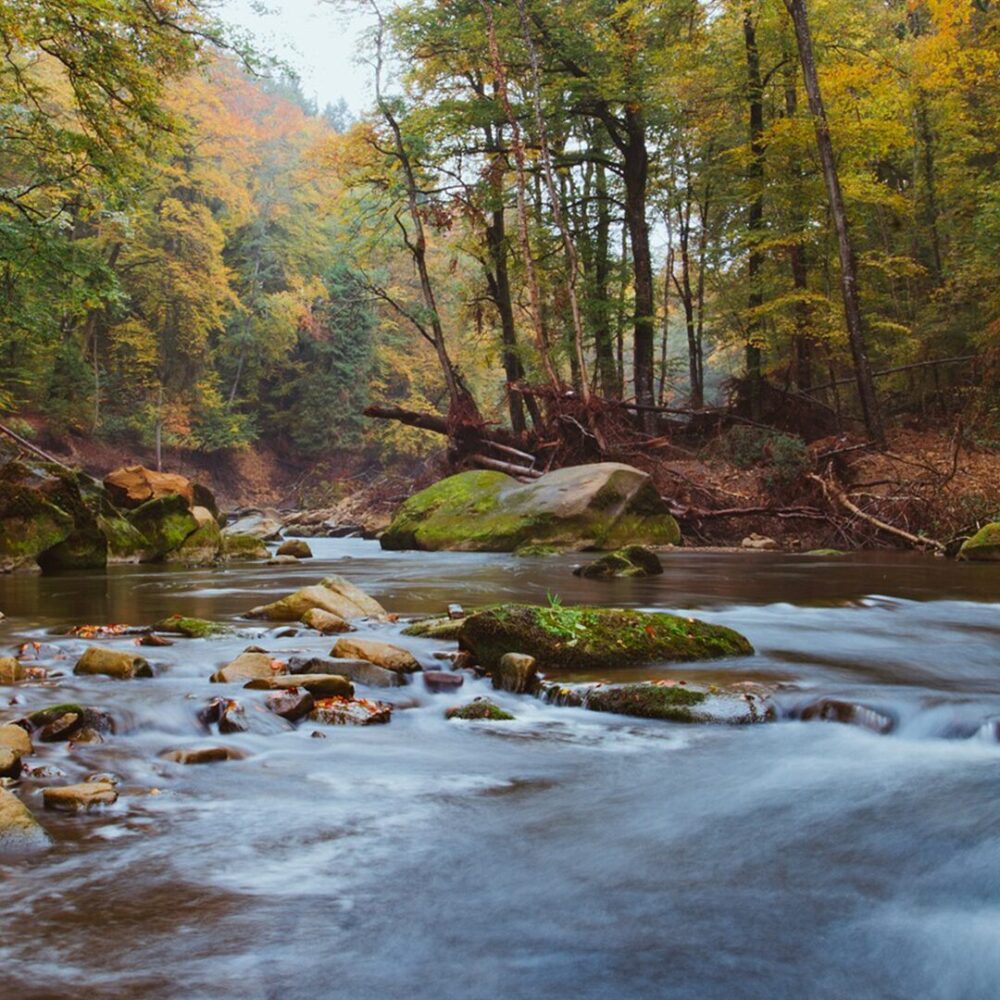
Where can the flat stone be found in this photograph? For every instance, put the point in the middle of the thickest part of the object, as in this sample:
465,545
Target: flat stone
291,705
351,712
442,680
114,663
249,666
333,594
359,671
318,685
202,755
382,654
79,798
325,621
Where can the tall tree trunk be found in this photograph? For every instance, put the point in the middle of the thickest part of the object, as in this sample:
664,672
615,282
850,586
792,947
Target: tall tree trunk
755,213
848,268
603,346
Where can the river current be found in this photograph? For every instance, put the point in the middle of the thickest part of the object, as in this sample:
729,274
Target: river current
565,854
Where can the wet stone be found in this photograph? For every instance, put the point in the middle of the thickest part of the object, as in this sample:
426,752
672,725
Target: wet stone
442,680
202,755
79,798
10,763
290,705
515,673
382,654
359,671
351,712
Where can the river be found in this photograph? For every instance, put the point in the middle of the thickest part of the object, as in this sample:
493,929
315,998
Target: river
566,854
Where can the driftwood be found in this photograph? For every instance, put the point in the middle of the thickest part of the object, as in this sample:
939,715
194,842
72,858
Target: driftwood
835,494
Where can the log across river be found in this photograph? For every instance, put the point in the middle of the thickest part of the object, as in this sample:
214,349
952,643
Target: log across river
565,853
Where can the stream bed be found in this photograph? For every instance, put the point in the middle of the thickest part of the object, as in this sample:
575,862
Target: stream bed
565,854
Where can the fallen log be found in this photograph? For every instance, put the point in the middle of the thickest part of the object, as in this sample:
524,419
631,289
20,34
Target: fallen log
412,418
518,471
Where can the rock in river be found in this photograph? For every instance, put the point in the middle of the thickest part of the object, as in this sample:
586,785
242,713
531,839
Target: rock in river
295,547
249,666
594,638
318,685
79,798
11,670
20,832
238,546
382,654
114,663
132,485
202,755
631,561
359,671
481,708
334,594
603,506
515,673
984,546
325,621
676,703
16,738
351,712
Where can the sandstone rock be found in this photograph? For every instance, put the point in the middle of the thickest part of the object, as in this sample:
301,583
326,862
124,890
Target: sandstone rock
202,755
78,798
10,763
594,638
295,547
114,663
16,738
20,832
132,485
11,670
333,594
516,673
631,561
759,542
360,671
325,621
603,506
262,524
382,654
351,712
318,685
248,666
442,681
291,705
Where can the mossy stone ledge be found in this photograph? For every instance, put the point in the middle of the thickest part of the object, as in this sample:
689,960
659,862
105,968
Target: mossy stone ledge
601,506
983,546
563,638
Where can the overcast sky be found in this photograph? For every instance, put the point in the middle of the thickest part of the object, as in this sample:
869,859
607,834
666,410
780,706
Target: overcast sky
316,38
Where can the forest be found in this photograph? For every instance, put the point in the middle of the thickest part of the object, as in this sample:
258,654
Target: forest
589,221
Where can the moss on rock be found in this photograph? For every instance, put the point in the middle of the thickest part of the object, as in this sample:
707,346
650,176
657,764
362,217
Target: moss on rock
646,701
984,545
164,523
244,547
481,708
631,561
594,638
193,628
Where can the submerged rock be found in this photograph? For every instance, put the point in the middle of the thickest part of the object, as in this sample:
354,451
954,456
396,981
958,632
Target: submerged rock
846,712
594,638
601,506
481,708
295,547
333,594
382,654
983,546
440,681
631,561
676,703
20,832
115,663
80,798
351,712
202,755
515,673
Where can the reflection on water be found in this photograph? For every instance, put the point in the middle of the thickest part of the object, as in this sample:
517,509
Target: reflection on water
565,855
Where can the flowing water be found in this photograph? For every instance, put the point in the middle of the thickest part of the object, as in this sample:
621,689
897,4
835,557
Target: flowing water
566,854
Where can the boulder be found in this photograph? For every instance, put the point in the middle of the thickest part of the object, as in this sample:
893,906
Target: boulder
318,685
983,546
31,523
132,485
325,621
359,671
114,663
290,705
16,738
192,628
676,703
202,755
351,712
480,709
10,763
442,681
295,547
236,546
516,673
603,506
11,670
69,721
333,594
759,542
80,798
203,546
164,523
20,832
594,638
631,561
262,524
445,629
249,666
382,654
125,543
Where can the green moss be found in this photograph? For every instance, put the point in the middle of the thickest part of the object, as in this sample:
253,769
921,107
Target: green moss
30,523
203,546
646,701
50,713
244,547
193,628
631,561
984,546
164,523
594,638
446,629
481,708
124,541
538,549
829,553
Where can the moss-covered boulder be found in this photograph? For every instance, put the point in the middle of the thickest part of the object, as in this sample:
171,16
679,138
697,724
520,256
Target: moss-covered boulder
237,546
984,545
677,703
631,561
31,523
603,506
480,709
594,638
125,543
203,546
165,523
191,628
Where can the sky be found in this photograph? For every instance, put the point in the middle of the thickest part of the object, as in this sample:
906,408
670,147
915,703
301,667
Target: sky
317,39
